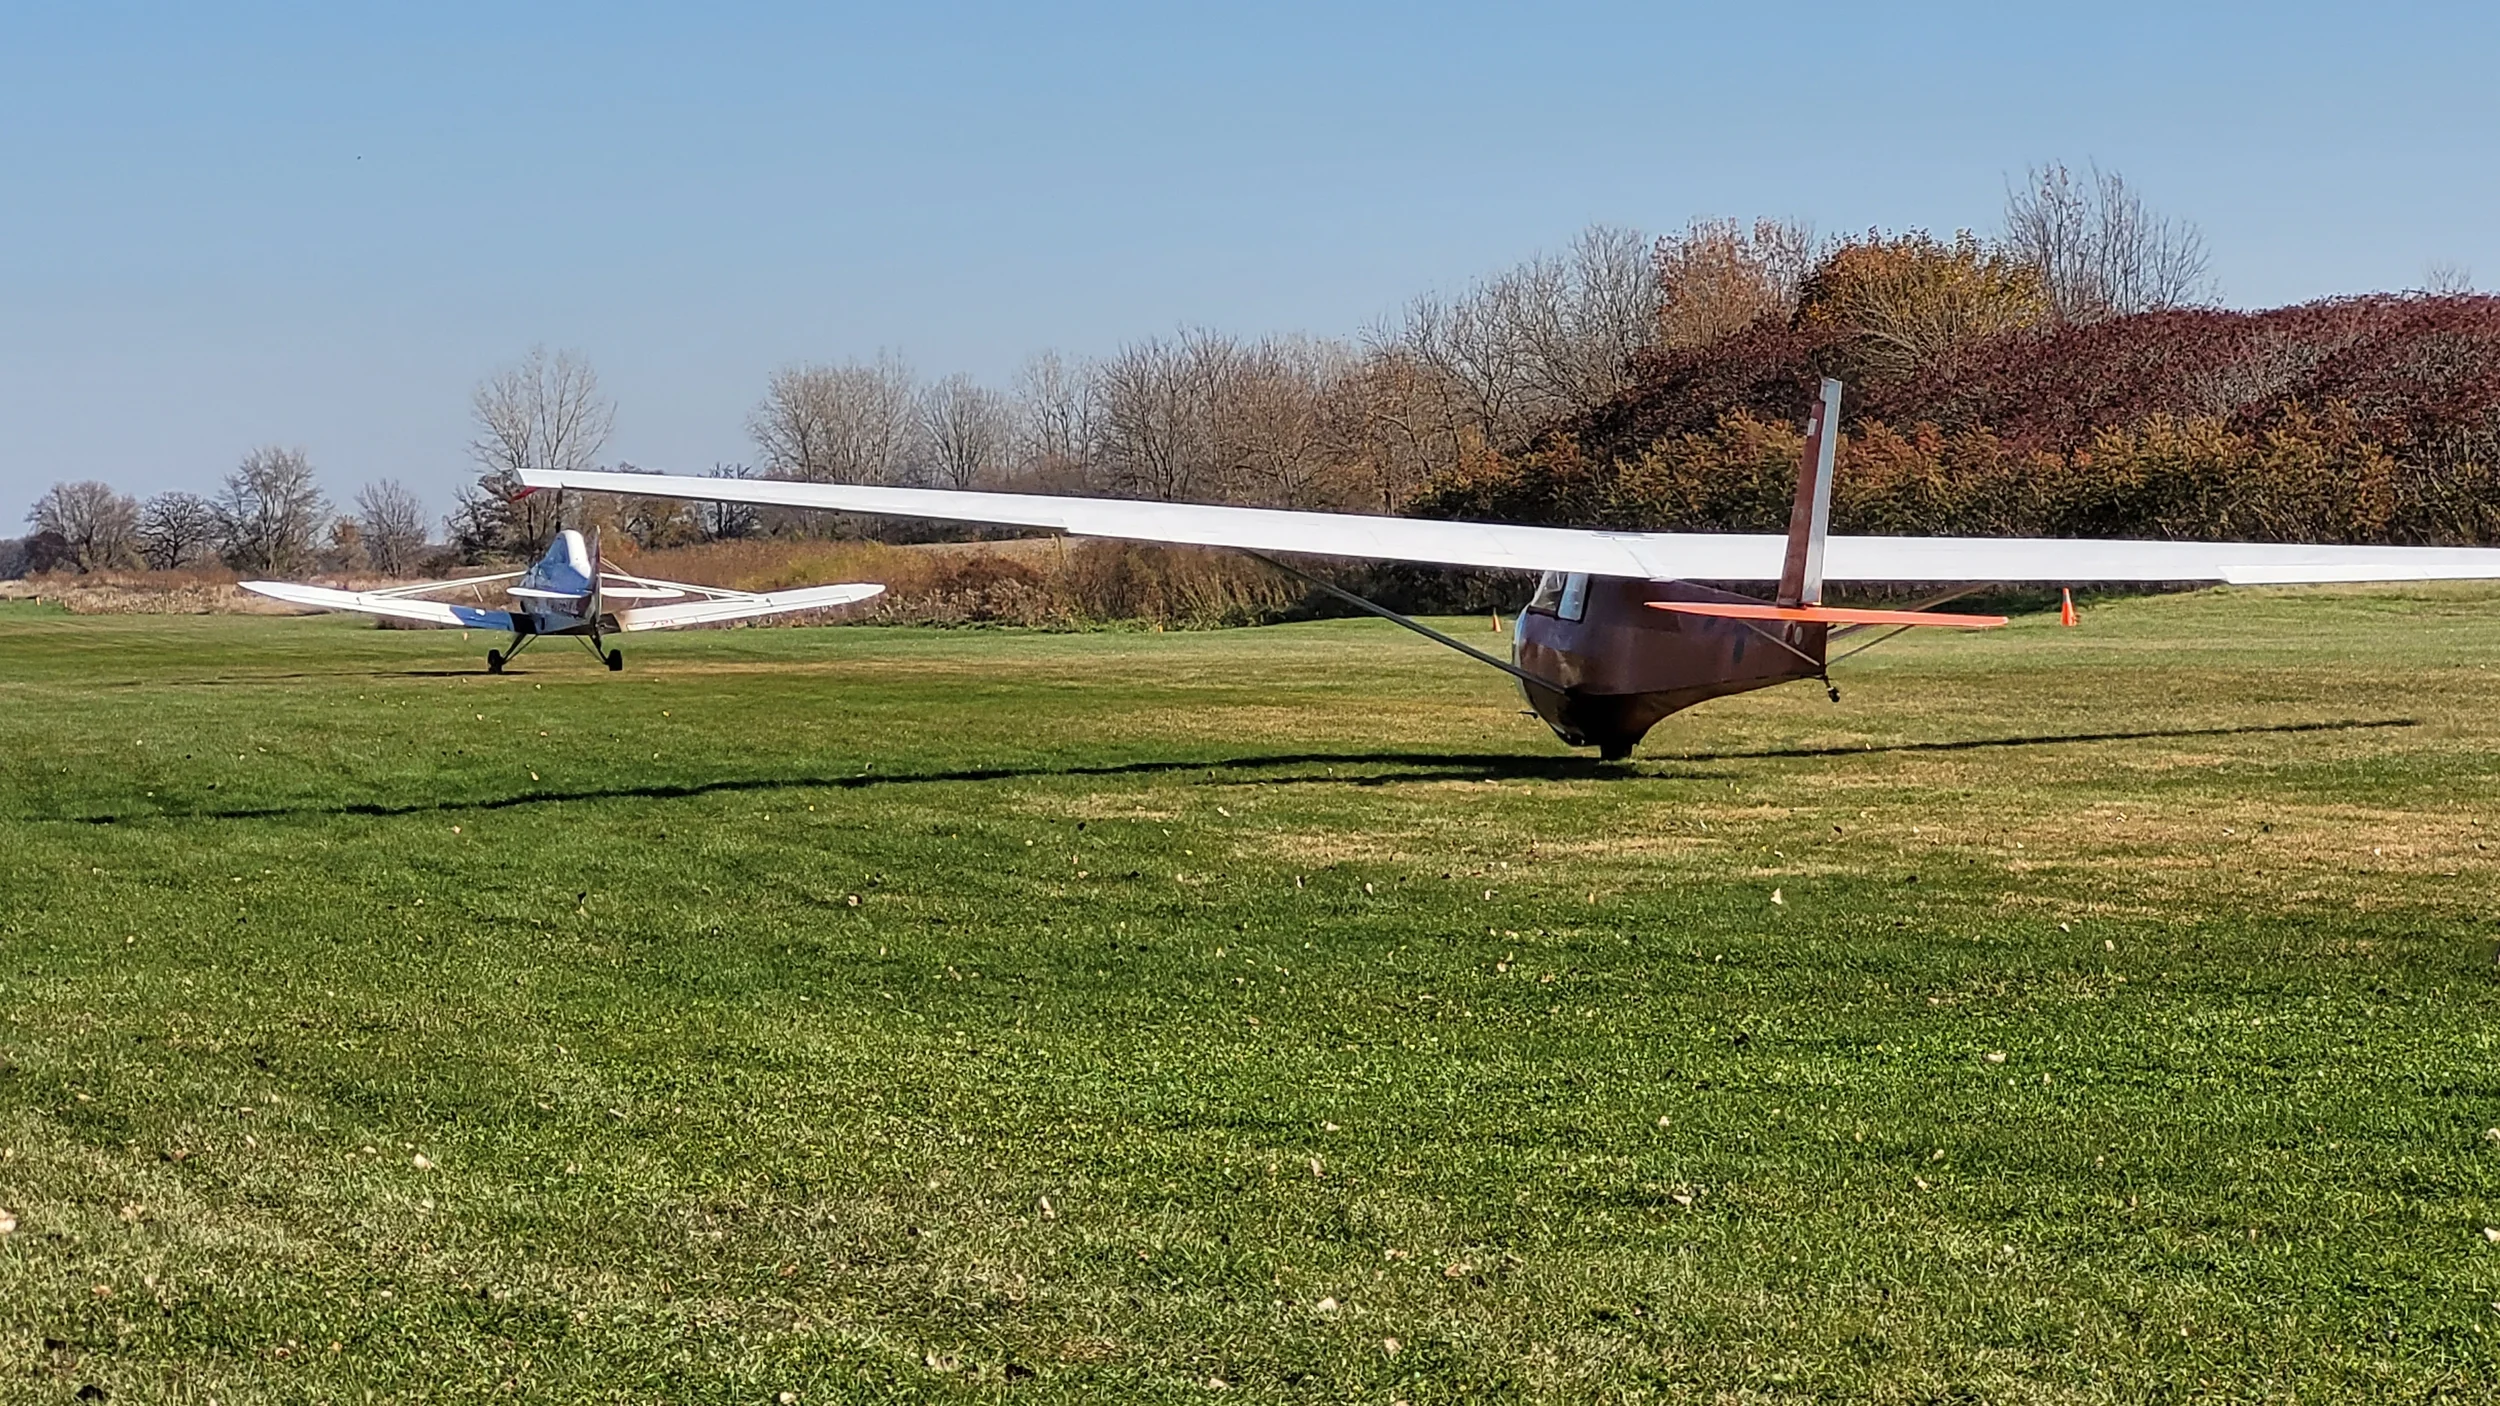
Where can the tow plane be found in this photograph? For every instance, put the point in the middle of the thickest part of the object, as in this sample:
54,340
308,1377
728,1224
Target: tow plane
569,591
1622,630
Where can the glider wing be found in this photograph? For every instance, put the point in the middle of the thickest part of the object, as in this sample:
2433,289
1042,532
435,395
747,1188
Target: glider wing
1690,556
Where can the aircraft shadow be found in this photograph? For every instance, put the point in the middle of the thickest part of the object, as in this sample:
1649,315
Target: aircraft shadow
1403,767
1375,769
254,680
1973,744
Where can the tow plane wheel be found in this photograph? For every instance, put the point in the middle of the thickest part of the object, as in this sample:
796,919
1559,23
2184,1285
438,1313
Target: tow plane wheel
616,661
494,661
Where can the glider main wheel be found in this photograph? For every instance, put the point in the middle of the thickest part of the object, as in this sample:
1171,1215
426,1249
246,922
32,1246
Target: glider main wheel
494,661
1614,751
616,661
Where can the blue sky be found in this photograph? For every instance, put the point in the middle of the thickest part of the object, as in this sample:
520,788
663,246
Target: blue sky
320,224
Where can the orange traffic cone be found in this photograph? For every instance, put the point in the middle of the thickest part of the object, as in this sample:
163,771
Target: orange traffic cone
2066,608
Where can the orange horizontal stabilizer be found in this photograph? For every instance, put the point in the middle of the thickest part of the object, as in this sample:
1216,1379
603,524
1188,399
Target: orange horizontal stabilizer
1828,615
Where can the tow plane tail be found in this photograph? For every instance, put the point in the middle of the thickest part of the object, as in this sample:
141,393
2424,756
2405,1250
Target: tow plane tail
593,606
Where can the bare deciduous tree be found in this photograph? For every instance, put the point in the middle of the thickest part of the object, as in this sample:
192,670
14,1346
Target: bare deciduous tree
721,521
1156,434
1608,304
966,429
98,527
392,524
853,423
177,530
1272,429
2100,252
544,412
1550,337
270,514
1397,426
2444,278
1057,415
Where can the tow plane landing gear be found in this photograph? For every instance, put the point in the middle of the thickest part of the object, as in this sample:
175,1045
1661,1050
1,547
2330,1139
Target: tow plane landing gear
613,658
496,659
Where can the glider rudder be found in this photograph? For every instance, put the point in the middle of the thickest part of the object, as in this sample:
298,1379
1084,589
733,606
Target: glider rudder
1810,520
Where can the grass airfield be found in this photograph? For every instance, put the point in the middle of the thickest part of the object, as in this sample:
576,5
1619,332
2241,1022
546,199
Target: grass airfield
860,1014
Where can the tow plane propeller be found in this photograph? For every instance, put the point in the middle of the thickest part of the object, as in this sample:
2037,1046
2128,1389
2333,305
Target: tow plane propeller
569,591
1621,632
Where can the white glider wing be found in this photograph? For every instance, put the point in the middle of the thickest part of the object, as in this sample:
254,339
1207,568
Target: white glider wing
1691,556
718,607
390,603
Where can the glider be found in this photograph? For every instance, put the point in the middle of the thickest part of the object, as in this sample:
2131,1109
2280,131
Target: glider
1619,635
569,592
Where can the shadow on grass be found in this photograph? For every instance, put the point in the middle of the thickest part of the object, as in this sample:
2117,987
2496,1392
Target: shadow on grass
1391,768
250,680
1408,766
1972,744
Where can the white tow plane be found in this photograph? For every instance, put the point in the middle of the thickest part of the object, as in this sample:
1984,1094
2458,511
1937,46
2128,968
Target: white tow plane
568,592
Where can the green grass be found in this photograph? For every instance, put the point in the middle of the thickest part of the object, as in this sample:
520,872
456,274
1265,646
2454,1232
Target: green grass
2095,1015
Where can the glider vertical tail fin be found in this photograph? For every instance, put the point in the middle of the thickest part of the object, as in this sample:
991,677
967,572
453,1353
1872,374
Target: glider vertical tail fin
1809,522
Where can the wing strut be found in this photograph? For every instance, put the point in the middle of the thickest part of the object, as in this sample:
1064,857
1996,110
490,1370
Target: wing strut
1419,627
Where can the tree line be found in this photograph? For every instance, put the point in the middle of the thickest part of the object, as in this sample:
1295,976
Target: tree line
1201,415
268,518
1436,393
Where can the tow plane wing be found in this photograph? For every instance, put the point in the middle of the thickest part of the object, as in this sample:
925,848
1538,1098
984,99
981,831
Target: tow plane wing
715,607
568,592
392,604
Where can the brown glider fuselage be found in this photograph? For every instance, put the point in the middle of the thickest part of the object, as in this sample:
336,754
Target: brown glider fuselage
1619,666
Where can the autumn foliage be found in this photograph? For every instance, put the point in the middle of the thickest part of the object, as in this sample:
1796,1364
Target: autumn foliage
2372,419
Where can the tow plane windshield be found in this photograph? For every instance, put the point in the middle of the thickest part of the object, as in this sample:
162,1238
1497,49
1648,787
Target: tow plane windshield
569,591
